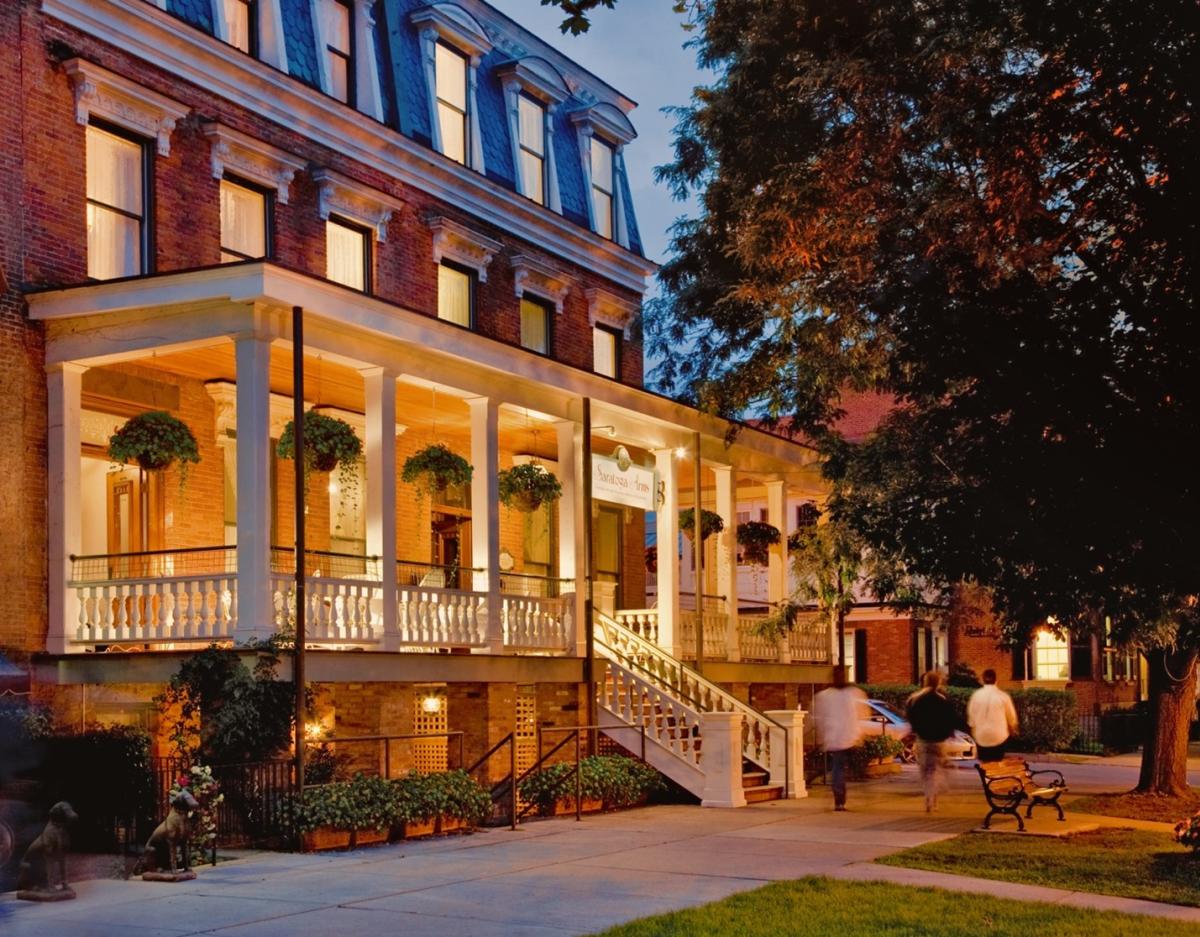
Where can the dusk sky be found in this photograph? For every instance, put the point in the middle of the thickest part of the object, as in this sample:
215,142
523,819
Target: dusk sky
638,49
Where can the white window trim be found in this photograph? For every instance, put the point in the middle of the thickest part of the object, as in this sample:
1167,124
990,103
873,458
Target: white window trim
104,94
541,81
368,98
454,26
612,126
540,280
337,195
459,244
605,308
272,48
253,160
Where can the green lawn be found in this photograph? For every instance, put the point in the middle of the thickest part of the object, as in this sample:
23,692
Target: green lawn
1127,863
821,907
1139,806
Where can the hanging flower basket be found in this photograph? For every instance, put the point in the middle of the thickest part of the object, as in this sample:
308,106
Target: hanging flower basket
329,443
435,468
527,487
154,440
710,523
756,539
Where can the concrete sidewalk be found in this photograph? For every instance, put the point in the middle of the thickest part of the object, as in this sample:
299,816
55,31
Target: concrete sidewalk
550,878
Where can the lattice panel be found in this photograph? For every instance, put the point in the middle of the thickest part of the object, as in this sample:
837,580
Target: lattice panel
526,730
430,755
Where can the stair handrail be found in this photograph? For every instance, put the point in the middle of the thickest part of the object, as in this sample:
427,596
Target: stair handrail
756,727
648,675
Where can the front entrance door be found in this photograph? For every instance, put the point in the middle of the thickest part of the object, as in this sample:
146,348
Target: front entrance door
607,551
134,525
451,541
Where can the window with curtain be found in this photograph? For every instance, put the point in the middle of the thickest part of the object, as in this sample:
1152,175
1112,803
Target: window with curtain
450,67
532,122
347,254
241,24
602,187
337,31
535,325
605,351
117,169
454,295
244,224
1051,657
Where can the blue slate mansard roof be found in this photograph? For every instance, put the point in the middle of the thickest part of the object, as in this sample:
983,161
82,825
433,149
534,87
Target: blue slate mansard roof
405,94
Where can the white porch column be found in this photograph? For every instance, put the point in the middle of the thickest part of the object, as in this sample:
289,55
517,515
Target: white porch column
666,520
727,583
570,522
255,603
722,736
63,390
777,571
485,512
380,387
787,759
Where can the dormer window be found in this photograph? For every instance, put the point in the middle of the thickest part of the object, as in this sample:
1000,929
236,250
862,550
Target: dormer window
602,187
336,31
452,79
532,142
241,24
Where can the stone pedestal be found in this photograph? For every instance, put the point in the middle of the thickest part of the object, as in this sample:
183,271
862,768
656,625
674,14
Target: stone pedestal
721,734
787,756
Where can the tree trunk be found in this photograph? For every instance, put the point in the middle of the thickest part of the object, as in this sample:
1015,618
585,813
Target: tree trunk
1172,686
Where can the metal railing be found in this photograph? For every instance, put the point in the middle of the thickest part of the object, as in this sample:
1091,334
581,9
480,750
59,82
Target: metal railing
387,741
144,564
326,563
534,585
433,575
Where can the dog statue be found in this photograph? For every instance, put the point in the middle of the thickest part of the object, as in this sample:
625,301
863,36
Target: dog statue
48,851
175,832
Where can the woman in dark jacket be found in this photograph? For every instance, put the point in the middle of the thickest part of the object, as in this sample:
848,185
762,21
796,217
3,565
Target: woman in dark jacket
933,719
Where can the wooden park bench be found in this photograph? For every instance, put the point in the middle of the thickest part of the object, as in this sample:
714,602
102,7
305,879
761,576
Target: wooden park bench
1010,783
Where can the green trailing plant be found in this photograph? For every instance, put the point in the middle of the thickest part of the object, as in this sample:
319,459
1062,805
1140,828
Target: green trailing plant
873,749
453,795
435,468
154,440
527,487
780,622
614,780
329,443
710,523
756,539
365,802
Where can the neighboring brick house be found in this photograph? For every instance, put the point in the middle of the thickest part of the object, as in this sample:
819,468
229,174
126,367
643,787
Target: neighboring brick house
444,196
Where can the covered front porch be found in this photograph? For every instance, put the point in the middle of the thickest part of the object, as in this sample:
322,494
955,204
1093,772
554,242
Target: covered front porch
153,561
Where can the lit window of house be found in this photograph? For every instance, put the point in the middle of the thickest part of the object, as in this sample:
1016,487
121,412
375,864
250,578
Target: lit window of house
347,254
532,123
451,70
117,196
244,223
455,295
336,32
807,515
241,24
535,325
602,187
606,351
1051,657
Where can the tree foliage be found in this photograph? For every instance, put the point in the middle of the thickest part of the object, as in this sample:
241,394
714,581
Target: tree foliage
987,210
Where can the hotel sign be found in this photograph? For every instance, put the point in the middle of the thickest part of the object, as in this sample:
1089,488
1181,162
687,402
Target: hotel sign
618,480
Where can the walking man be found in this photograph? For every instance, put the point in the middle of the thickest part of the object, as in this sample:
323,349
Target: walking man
933,719
992,718
836,712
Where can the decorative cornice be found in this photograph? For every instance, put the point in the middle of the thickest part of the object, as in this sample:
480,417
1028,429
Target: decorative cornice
459,243
107,95
606,121
455,26
609,309
540,279
536,77
251,159
369,207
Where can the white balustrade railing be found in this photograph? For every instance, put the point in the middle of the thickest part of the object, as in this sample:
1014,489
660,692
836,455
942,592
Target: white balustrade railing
642,621
532,623
432,617
808,640
754,646
159,609
336,610
636,701
716,626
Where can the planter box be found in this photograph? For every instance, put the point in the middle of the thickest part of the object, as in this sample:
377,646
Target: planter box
590,805
326,838
422,828
368,837
882,770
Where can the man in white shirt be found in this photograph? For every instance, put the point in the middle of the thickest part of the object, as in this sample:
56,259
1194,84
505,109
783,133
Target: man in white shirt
835,710
992,718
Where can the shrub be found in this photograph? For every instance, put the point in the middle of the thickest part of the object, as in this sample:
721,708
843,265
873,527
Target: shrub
454,795
614,780
1187,832
1048,719
362,803
873,749
963,675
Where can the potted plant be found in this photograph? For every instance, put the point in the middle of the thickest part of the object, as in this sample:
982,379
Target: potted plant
710,523
349,813
527,487
435,468
329,443
756,539
154,440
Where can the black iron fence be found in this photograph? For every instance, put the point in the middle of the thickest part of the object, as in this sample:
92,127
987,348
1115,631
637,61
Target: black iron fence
254,809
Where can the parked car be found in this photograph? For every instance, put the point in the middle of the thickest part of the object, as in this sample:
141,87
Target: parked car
875,716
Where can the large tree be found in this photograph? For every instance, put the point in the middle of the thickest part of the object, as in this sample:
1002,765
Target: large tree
987,209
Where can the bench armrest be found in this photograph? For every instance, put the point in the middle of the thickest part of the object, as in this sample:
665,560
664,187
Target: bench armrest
1061,782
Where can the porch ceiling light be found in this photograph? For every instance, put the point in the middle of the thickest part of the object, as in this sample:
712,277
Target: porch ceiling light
431,703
